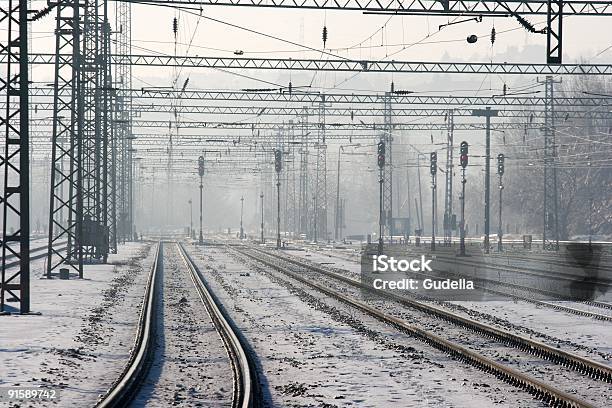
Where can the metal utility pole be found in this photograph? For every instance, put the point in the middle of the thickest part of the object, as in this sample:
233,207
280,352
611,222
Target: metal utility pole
190,218
261,196
487,113
342,219
387,136
433,169
590,201
337,207
381,180
500,172
14,158
278,165
303,192
292,189
201,173
550,236
320,185
408,200
421,222
448,192
241,212
463,160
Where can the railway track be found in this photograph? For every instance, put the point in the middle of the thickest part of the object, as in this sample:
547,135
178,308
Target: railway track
517,296
126,387
35,253
244,378
540,389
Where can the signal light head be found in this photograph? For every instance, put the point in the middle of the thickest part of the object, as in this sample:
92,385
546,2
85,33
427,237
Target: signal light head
201,166
277,160
381,154
463,157
500,164
433,165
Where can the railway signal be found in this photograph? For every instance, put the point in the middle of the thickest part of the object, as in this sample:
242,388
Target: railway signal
500,164
500,172
381,180
433,163
463,158
278,167
463,154
278,160
433,169
381,154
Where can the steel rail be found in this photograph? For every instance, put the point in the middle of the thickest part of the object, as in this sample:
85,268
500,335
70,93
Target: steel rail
36,253
592,368
243,395
537,388
125,387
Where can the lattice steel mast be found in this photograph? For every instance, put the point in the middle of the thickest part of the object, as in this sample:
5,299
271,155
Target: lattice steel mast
448,192
65,203
14,158
550,237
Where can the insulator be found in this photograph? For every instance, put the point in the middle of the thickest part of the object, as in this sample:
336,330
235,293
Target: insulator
42,13
505,89
175,26
324,36
528,26
492,35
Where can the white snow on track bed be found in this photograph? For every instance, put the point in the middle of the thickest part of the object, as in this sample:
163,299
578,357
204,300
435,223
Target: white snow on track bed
81,339
190,367
309,356
591,338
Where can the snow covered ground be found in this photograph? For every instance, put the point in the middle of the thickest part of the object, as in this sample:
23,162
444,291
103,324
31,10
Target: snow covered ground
313,351
81,339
